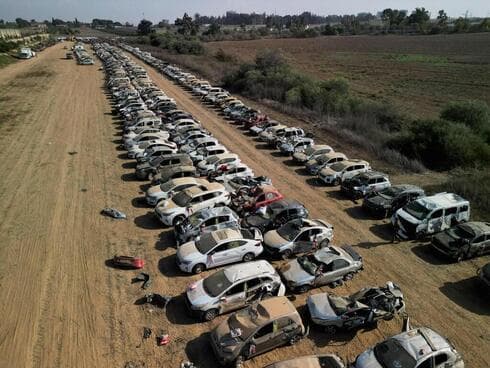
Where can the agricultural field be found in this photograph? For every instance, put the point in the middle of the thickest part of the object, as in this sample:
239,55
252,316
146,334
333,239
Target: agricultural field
64,305
418,74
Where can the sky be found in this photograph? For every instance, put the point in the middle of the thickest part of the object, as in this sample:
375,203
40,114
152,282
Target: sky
156,10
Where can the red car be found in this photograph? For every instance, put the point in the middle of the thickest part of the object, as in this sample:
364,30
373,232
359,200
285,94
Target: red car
128,262
258,197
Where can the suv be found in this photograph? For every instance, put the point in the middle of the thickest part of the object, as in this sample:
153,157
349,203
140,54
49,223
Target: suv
419,347
295,145
317,163
262,327
364,183
165,175
166,190
311,153
383,203
340,171
430,215
184,203
219,248
285,135
214,162
158,164
232,288
204,152
276,214
298,236
204,221
471,239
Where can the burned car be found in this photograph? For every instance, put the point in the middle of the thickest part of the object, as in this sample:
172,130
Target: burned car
185,171
311,152
364,183
361,309
463,241
204,221
484,274
385,202
310,361
295,145
272,323
298,236
327,266
275,215
246,183
317,163
255,198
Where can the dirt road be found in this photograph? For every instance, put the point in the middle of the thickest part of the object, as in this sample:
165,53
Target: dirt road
62,306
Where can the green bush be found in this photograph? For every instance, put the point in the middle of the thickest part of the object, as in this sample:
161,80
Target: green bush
474,114
6,46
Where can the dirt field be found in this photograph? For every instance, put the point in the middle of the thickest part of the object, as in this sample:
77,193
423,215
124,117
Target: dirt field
64,307
419,74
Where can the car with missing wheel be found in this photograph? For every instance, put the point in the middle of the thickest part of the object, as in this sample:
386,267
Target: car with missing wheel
336,173
327,266
267,325
463,241
310,361
218,248
364,183
190,200
298,236
160,192
204,221
364,308
384,203
233,287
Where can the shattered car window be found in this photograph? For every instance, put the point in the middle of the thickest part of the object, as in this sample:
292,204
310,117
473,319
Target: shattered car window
390,354
216,283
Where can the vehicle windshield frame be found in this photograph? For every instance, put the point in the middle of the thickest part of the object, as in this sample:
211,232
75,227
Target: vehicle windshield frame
206,243
388,361
417,210
217,283
181,199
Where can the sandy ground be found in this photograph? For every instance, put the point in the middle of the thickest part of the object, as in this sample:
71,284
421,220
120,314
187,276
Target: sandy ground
63,306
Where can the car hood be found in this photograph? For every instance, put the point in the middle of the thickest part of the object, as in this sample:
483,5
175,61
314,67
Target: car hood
188,251
367,360
319,306
256,221
273,239
300,156
379,201
448,241
143,166
196,294
292,271
326,171
166,206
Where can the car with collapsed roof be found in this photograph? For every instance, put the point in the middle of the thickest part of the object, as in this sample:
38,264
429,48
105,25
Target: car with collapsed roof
256,198
463,241
233,287
218,248
315,164
311,152
298,236
267,325
246,183
310,361
364,308
327,266
364,183
385,202
336,173
160,192
204,221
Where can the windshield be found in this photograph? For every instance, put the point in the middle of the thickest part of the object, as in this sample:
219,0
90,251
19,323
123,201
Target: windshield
417,210
289,231
167,186
309,264
195,219
390,192
206,243
216,283
339,166
461,232
181,199
390,354
309,151
213,159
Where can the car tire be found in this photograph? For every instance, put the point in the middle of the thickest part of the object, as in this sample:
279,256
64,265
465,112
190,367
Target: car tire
210,314
302,289
239,361
178,219
349,276
336,181
336,283
286,254
248,257
330,330
294,339
197,269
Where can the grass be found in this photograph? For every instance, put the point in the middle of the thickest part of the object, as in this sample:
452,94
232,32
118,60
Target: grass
418,58
6,59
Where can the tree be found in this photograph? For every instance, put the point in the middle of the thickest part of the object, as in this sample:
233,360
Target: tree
393,17
461,25
213,30
186,25
22,23
442,18
163,23
144,27
419,17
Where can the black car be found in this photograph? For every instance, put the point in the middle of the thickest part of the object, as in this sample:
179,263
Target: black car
275,215
364,183
247,182
389,200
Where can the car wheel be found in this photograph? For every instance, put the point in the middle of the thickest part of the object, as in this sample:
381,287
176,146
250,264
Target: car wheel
302,289
248,257
210,314
336,181
266,296
460,258
349,276
286,254
336,283
178,219
198,268
331,330
239,361
293,340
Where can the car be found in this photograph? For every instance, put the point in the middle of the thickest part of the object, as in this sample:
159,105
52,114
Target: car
298,236
131,143
311,152
158,150
160,192
310,361
267,325
327,266
364,183
336,173
385,202
203,153
237,171
463,241
315,164
269,134
218,248
149,169
364,308
295,145
127,262
275,215
233,287
246,183
419,347
164,147
256,198
204,221
285,135
199,143
214,162
186,202
484,274
185,171
261,126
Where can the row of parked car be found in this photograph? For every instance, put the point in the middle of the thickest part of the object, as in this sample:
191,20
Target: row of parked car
222,216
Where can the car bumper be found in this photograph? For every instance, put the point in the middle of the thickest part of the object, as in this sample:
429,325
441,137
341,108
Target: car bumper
164,219
327,179
183,266
153,201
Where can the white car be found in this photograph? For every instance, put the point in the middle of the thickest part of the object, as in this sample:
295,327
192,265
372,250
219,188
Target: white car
214,162
166,190
132,134
138,150
198,143
188,201
238,171
204,152
131,142
339,171
156,150
219,248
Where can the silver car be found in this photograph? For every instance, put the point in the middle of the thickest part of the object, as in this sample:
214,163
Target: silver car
218,248
327,266
205,221
232,288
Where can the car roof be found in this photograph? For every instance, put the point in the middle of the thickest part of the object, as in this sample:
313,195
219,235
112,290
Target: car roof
421,342
354,162
174,169
372,174
333,154
226,234
225,155
189,180
320,146
243,271
325,254
215,211
478,227
285,203
193,191
277,307
441,200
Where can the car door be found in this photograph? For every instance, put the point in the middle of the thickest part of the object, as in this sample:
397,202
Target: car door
262,340
478,246
236,250
233,298
218,256
195,204
435,221
302,243
333,271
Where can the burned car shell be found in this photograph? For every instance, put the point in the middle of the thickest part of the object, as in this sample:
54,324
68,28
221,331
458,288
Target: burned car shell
383,203
311,152
317,163
364,183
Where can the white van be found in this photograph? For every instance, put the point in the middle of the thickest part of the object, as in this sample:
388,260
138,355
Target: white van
430,215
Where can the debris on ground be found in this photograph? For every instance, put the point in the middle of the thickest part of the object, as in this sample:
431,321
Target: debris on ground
163,339
146,335
158,300
71,153
114,213
128,262
187,365
144,277
135,365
